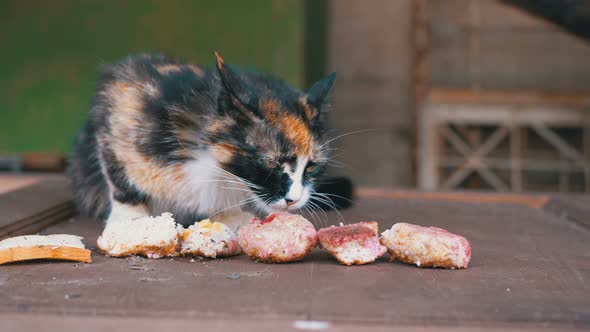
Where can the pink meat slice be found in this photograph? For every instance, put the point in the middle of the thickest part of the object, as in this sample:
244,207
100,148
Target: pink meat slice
426,246
279,238
352,244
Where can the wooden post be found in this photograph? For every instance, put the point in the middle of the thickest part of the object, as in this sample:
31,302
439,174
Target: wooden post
420,39
586,147
515,158
475,44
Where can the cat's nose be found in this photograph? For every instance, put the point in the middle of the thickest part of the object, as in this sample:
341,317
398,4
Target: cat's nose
291,201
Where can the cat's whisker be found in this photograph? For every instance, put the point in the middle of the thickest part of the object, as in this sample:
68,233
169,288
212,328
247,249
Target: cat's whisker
338,196
326,200
333,208
337,155
237,179
314,207
310,209
313,216
338,162
231,175
347,134
322,211
239,189
243,202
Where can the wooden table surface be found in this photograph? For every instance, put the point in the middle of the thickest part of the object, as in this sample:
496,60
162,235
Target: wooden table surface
530,270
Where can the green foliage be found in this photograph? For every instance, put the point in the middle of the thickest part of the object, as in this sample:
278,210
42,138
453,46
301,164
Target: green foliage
51,51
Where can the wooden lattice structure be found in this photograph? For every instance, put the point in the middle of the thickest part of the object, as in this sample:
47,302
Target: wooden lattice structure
489,134
476,137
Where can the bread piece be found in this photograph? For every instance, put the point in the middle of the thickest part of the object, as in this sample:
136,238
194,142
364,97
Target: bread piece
279,238
426,246
153,237
209,239
352,244
58,246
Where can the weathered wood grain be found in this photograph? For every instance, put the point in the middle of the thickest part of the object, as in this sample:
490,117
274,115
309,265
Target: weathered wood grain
32,208
530,269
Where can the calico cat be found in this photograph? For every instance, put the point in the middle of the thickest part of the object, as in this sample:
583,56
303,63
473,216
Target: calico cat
199,142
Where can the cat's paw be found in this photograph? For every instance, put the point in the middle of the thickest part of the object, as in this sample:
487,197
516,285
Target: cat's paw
234,220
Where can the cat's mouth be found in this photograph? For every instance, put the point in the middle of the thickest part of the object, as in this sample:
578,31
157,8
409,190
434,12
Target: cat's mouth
281,205
285,205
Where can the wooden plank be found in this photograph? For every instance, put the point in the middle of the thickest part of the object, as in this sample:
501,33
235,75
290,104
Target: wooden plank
38,222
49,323
488,114
532,200
442,95
13,182
575,207
532,164
497,15
30,209
529,270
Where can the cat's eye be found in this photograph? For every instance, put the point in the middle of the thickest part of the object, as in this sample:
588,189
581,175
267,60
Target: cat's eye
270,164
311,167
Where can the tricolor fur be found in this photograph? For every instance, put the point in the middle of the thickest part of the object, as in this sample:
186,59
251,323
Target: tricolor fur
167,136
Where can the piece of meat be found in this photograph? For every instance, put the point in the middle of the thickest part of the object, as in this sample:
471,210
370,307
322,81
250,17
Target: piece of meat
281,237
352,244
426,246
209,239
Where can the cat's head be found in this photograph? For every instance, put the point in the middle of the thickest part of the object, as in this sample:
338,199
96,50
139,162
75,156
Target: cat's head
271,136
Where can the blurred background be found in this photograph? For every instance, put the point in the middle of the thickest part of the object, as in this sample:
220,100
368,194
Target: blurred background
440,94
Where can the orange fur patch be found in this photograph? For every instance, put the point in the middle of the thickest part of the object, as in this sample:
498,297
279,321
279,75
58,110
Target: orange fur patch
219,60
125,122
223,152
171,68
216,126
187,135
167,69
310,111
293,127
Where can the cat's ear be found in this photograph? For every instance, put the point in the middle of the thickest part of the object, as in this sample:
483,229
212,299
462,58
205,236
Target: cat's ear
318,96
240,96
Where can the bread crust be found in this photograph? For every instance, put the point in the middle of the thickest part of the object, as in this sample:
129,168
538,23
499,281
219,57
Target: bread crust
169,250
17,254
427,262
274,259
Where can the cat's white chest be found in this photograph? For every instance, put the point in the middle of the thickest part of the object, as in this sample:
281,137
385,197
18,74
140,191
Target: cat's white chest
209,190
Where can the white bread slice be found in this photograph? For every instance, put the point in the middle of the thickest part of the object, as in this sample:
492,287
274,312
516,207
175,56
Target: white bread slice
57,246
55,240
153,237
